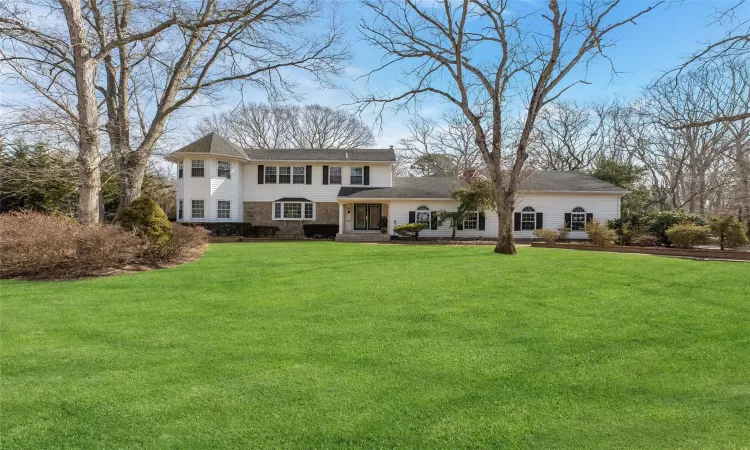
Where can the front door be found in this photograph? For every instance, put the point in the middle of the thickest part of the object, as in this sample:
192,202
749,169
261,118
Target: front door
374,217
360,217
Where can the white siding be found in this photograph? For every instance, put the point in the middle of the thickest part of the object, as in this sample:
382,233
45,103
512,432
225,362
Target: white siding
210,188
553,207
380,176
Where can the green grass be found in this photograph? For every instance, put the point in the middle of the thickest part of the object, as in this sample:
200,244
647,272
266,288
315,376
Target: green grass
322,345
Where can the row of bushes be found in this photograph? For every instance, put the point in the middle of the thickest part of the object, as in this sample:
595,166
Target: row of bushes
41,246
236,229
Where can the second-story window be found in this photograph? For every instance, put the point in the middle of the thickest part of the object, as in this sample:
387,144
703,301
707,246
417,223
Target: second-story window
180,165
285,175
334,175
225,169
299,175
270,175
198,168
357,175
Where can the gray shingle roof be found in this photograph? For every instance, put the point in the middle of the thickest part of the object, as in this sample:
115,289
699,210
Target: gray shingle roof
556,181
311,154
437,187
216,145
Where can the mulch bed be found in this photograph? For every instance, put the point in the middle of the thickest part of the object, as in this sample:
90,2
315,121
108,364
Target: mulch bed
696,253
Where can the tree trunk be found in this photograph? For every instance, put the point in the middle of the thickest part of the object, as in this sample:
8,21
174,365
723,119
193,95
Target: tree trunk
131,179
88,116
505,242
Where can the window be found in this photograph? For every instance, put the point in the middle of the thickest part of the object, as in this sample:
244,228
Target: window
299,175
197,168
293,211
528,219
357,175
198,209
223,210
180,165
270,175
285,175
578,219
334,175
179,209
225,169
471,221
423,215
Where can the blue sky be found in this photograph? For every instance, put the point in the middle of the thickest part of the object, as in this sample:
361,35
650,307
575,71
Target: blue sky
658,42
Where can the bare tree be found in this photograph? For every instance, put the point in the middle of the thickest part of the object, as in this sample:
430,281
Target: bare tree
440,149
475,67
257,125
567,137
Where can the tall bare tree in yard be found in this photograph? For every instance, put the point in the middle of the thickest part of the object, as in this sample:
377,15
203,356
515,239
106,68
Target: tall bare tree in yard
474,53
256,125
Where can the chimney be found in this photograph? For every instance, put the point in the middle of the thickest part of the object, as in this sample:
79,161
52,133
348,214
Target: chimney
391,147
346,155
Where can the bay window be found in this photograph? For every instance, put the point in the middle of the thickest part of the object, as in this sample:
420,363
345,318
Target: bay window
293,211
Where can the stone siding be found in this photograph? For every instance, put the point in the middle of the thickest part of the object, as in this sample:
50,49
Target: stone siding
259,213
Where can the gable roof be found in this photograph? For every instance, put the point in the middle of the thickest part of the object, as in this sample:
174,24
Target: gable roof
443,187
214,144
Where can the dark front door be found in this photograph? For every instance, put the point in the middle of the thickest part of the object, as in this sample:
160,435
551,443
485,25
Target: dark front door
360,217
374,217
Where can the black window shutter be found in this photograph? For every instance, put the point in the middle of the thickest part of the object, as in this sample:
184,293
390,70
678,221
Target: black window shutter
460,225
261,174
568,219
433,221
539,221
367,175
308,175
325,174
482,219
517,222
412,216
589,217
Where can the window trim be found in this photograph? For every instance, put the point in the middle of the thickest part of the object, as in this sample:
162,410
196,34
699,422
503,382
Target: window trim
351,176
228,169
423,209
525,212
294,175
341,175
193,168
219,209
180,169
282,211
474,219
192,209
275,170
287,176
578,211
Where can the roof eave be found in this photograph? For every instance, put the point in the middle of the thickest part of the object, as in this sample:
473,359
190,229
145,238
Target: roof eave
178,155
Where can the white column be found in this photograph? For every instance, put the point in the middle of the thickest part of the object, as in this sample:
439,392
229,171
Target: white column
341,218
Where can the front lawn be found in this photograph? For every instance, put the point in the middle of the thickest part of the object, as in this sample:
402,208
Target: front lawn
322,345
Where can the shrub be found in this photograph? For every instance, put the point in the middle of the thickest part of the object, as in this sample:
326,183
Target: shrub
645,240
235,229
729,230
563,233
187,243
410,229
147,219
688,235
600,235
546,235
325,230
36,245
627,229
657,223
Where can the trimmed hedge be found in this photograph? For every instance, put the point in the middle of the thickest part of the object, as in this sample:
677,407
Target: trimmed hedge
236,229
325,230
147,219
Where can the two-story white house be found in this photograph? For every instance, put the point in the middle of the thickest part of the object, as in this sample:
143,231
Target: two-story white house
356,190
